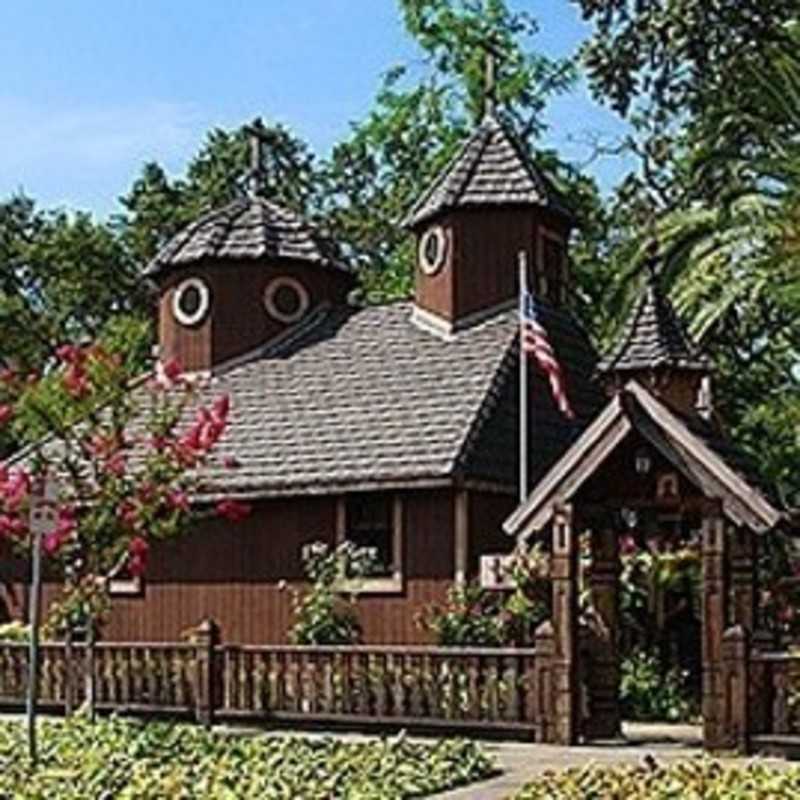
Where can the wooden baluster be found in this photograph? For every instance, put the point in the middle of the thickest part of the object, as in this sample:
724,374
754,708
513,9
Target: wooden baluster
274,683
259,683
361,681
473,710
414,679
327,700
395,669
428,692
293,682
511,680
377,671
491,689
780,706
529,689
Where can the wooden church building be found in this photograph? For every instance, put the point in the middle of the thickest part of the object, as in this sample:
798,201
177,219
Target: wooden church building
394,426
397,426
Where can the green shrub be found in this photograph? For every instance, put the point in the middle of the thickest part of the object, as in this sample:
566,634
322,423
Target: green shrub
325,614
478,617
128,761
698,779
14,632
649,693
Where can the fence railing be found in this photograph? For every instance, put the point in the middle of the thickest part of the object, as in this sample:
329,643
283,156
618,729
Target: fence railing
504,689
774,693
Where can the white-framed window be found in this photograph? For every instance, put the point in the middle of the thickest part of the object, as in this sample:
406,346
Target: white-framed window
374,520
286,299
433,247
191,301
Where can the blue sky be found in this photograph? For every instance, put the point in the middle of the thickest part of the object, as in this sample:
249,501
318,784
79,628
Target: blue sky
92,89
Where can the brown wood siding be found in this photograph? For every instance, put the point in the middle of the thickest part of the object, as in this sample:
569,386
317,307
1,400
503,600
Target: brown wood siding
436,293
489,242
487,512
237,321
232,574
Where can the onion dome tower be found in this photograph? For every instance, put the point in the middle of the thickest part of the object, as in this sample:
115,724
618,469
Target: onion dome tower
655,349
240,276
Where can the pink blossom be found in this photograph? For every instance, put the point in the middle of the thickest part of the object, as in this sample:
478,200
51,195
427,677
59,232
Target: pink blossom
12,527
231,462
7,376
221,407
127,514
179,500
168,372
138,551
627,545
233,510
138,546
6,412
69,354
75,381
15,489
116,465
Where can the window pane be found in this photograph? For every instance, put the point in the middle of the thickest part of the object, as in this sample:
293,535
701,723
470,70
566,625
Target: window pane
369,524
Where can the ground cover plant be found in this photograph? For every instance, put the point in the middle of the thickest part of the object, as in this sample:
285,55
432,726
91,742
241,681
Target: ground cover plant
697,779
119,759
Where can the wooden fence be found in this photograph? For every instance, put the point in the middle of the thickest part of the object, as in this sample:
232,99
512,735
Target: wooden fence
499,689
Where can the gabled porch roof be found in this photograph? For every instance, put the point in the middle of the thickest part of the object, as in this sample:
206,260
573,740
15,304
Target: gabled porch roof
635,408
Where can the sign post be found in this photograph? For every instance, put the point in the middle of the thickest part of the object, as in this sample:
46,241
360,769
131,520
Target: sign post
43,520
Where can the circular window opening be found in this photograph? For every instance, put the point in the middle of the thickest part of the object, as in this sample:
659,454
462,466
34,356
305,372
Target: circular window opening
191,301
286,299
433,250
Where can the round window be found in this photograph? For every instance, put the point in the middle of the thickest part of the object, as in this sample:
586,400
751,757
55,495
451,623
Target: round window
286,299
433,250
191,301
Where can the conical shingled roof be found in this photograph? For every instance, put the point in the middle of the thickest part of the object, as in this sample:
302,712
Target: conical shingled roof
249,228
490,169
653,336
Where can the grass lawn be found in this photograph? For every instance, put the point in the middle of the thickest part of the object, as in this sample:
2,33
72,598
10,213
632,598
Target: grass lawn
120,760
695,779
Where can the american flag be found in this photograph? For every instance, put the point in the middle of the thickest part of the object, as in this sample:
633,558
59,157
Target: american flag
535,341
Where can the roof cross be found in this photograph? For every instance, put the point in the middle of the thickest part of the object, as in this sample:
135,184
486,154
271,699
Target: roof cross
257,136
493,55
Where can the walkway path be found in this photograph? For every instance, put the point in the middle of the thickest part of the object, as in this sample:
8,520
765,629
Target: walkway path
522,762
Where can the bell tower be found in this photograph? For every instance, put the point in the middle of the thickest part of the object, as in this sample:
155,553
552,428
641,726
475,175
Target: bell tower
490,203
655,349
242,275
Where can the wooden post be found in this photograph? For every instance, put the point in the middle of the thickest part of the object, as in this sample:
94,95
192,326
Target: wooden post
565,620
544,705
735,672
743,581
604,721
69,672
206,637
714,619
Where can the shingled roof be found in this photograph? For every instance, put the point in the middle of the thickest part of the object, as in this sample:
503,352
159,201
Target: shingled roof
248,228
363,398
490,169
653,336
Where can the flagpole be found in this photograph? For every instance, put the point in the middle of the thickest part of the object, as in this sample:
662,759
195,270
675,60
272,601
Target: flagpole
523,383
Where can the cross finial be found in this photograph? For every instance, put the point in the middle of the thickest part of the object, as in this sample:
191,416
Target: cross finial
493,54
256,132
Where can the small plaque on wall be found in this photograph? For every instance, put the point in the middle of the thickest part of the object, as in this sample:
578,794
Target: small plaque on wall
496,571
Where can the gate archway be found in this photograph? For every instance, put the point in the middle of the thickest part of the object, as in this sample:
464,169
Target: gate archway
600,475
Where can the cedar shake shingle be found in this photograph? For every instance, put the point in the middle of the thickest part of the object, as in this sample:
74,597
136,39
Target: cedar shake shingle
248,228
490,169
366,398
653,336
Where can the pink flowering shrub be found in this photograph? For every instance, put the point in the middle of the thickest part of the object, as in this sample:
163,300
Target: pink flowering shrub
126,457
